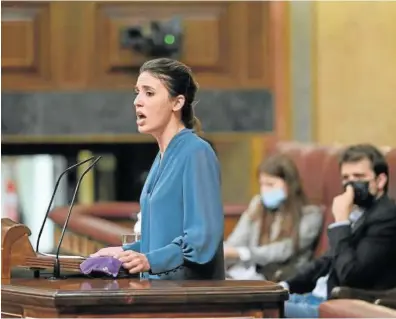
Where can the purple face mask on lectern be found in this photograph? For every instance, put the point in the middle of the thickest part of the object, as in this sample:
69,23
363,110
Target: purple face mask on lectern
107,265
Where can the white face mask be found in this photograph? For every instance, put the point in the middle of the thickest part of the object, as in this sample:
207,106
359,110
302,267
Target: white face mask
274,198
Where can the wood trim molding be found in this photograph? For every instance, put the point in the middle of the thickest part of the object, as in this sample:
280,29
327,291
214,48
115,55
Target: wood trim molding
230,137
257,150
280,61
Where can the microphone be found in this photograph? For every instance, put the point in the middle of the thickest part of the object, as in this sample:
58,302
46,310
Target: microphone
56,271
53,196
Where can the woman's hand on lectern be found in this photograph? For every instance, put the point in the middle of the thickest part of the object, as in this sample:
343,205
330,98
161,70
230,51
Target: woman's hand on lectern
133,261
108,251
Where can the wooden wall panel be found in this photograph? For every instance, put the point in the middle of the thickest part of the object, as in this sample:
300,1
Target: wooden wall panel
76,45
71,30
25,42
225,42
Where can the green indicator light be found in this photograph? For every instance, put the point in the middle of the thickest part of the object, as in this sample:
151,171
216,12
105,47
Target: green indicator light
169,39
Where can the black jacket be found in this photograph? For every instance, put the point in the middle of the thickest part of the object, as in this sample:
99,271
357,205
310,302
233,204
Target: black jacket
362,256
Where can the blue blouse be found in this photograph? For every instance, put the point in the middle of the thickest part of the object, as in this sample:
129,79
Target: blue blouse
182,212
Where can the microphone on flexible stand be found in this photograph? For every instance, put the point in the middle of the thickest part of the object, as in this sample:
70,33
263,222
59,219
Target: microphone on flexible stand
56,271
67,170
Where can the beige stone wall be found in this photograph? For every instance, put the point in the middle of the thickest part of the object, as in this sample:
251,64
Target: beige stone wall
354,72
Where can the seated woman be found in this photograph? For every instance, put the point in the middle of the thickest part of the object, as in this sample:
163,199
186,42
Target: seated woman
277,233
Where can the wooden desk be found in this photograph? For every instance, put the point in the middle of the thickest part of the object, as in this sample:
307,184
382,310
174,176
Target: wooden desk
132,298
81,297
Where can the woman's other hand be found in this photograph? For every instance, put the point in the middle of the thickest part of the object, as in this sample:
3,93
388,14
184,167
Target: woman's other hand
230,253
134,262
108,251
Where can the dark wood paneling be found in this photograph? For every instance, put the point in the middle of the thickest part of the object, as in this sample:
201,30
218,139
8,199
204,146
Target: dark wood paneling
76,45
71,31
25,42
279,40
219,40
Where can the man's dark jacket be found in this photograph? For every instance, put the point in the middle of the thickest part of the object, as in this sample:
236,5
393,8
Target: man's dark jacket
362,256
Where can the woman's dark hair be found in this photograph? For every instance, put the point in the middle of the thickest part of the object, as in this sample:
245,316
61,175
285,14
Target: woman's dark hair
178,79
281,166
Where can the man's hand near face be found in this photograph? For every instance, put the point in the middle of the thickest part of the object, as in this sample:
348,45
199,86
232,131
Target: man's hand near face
343,204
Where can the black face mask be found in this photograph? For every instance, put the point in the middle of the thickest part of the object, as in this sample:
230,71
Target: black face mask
362,196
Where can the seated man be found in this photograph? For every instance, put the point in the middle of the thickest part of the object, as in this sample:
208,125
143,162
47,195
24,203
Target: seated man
362,240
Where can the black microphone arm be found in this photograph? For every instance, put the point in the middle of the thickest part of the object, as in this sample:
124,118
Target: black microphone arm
53,196
56,272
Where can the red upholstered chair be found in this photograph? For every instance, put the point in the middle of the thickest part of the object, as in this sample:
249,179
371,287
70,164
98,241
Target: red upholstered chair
391,159
92,227
314,163
347,308
319,170
103,223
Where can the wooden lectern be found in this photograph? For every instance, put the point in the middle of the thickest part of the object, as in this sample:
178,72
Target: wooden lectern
81,297
17,251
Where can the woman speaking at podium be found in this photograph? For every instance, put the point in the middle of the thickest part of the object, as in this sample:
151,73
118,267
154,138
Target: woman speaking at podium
181,205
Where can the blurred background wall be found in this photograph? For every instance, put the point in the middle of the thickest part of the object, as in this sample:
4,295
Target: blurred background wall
355,72
320,72
343,71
